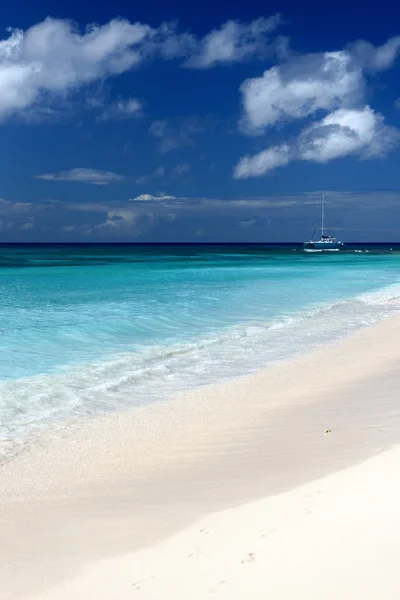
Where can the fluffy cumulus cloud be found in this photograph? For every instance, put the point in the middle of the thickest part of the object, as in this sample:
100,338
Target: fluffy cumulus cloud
259,164
347,131
306,87
79,175
360,132
300,88
126,221
55,58
119,218
52,57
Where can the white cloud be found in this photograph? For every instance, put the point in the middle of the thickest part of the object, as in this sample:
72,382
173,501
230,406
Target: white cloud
263,162
119,218
361,132
147,197
28,225
80,175
303,85
373,58
127,221
248,222
6,207
299,88
309,86
263,202
53,58
347,131
233,42
123,109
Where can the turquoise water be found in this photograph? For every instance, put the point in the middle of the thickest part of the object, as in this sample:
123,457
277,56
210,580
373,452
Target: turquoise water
91,329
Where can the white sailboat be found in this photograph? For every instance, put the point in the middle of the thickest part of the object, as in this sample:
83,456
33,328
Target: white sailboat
326,242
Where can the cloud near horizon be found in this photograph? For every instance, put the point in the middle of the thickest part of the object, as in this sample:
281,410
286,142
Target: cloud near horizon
147,197
81,175
170,218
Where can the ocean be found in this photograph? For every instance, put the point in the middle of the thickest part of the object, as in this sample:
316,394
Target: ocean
92,329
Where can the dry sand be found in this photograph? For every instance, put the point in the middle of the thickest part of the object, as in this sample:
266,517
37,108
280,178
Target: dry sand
210,495
338,537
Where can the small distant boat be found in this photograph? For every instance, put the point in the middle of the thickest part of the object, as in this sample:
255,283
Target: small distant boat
326,242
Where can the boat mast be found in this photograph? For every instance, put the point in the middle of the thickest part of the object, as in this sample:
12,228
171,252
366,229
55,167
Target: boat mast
323,215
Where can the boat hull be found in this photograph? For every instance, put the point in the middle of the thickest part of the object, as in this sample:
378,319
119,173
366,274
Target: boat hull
327,246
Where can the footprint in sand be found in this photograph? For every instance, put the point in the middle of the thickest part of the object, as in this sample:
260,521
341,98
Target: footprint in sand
205,531
249,558
196,553
138,585
266,535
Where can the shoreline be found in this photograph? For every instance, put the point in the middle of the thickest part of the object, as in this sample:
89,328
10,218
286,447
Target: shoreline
128,481
104,385
37,434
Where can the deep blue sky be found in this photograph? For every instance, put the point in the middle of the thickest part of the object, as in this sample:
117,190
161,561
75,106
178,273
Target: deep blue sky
225,127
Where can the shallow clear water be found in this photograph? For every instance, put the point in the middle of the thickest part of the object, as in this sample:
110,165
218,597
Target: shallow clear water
88,329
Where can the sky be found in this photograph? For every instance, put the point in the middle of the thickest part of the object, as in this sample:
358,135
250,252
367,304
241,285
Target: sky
216,122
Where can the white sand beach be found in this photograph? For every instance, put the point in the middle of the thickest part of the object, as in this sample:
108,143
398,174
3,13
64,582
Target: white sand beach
337,537
230,491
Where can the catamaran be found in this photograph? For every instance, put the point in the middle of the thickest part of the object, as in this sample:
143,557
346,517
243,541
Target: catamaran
326,242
